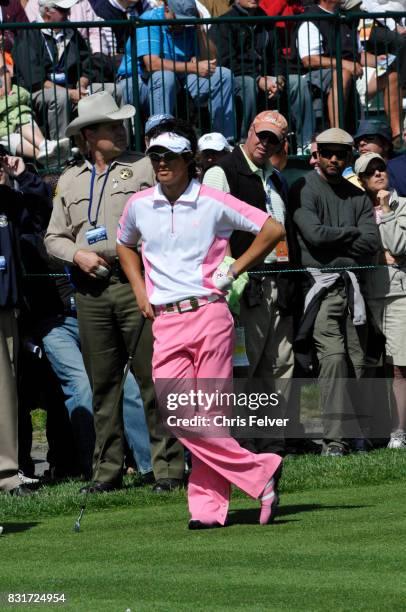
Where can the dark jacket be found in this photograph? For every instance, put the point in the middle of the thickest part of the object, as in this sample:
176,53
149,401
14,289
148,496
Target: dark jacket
15,205
36,59
247,186
245,49
397,174
335,223
348,36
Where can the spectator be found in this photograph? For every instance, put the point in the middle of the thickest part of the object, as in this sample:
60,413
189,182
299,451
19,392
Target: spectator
216,8
99,39
107,313
335,228
125,81
397,170
119,10
372,136
13,201
314,158
55,67
385,286
211,148
388,35
245,50
279,160
153,122
315,45
265,310
284,8
11,11
177,57
18,131
249,52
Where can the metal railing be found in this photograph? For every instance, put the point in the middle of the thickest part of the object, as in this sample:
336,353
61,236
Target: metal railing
258,66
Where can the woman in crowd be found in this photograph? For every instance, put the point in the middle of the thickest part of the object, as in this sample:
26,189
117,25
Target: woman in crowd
386,286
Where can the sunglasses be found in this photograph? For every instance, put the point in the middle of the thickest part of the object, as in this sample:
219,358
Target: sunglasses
340,154
313,155
371,171
166,157
267,136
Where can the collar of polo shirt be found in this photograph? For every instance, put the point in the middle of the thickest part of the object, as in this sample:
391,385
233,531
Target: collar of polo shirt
189,196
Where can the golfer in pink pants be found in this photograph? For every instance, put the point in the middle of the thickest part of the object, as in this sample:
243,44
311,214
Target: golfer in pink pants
184,228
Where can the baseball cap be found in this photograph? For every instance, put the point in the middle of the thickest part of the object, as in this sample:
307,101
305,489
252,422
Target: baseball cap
335,136
369,127
155,120
184,9
62,4
271,121
214,141
172,142
363,161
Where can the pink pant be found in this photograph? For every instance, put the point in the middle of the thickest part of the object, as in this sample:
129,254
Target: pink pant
199,344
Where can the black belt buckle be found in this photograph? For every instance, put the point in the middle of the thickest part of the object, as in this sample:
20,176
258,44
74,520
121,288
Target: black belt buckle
194,302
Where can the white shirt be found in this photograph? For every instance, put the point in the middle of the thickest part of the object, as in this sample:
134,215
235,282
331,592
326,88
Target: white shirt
384,6
309,40
183,244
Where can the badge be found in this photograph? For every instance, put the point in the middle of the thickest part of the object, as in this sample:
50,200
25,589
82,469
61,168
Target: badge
115,183
240,358
3,264
3,221
281,251
126,173
96,234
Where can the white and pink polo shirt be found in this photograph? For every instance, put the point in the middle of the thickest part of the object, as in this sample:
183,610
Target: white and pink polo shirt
184,243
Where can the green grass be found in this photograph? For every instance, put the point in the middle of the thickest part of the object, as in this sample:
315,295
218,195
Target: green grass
337,544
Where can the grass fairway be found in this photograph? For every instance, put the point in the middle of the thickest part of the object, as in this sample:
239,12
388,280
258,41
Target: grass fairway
335,547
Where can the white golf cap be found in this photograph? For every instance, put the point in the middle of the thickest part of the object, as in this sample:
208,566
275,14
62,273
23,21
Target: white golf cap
172,142
214,141
362,163
63,4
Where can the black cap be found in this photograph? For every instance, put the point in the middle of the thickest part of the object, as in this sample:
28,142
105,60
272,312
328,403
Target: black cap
370,127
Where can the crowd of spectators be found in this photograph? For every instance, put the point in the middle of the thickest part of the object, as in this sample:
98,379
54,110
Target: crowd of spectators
270,90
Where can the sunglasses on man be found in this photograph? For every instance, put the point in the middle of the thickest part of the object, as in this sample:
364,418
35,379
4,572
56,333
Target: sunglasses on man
166,157
267,137
340,154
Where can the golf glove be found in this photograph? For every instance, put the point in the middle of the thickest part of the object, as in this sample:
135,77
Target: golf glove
223,277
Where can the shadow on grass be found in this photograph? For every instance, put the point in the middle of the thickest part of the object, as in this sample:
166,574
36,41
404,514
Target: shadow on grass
17,527
250,516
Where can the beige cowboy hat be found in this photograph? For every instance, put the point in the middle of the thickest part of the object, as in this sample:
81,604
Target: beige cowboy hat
98,108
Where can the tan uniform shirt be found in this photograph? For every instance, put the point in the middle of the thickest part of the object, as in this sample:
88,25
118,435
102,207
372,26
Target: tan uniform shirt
69,222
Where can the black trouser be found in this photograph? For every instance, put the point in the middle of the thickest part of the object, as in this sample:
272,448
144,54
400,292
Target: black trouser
383,41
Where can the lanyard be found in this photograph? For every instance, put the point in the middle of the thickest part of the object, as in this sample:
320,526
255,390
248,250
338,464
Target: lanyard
89,212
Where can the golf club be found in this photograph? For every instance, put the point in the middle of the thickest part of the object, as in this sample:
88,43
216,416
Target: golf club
76,527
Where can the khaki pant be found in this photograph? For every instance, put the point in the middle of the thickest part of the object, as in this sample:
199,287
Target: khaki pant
341,352
107,324
54,109
8,401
